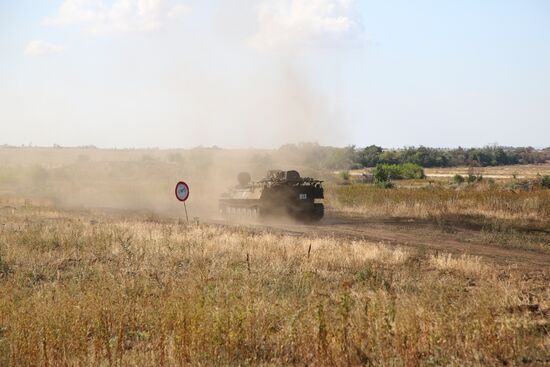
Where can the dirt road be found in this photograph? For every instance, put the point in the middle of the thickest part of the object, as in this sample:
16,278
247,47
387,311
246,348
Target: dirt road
423,235
454,238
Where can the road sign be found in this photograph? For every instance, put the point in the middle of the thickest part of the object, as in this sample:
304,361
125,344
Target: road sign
182,191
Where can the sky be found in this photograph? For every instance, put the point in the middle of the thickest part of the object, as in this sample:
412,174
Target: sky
262,73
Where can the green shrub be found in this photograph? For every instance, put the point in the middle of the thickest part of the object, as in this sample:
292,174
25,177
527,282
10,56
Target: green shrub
458,179
382,177
411,170
399,171
474,178
545,182
384,173
380,174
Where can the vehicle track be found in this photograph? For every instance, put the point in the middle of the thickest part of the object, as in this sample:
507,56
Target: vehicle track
422,235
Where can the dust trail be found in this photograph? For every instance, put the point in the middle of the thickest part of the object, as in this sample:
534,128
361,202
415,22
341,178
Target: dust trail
140,180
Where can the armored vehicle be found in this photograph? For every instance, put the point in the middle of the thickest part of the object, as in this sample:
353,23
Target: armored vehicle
281,193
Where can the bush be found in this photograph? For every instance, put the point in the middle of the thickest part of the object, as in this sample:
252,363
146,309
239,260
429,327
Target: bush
545,182
458,179
384,173
412,171
473,178
380,174
399,171
382,177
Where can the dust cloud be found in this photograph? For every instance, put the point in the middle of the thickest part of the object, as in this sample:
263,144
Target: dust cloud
252,83
133,180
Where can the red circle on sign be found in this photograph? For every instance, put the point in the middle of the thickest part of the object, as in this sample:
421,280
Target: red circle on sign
184,188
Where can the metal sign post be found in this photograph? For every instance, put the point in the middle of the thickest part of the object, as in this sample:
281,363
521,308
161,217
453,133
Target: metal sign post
182,194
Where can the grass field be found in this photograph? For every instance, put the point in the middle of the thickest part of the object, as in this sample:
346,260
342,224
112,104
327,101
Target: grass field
503,217
485,203
78,288
497,172
84,284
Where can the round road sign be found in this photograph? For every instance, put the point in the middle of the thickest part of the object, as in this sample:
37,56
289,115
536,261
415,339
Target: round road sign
182,191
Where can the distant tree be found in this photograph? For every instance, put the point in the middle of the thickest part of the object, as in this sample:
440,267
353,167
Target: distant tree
321,157
343,158
370,156
390,157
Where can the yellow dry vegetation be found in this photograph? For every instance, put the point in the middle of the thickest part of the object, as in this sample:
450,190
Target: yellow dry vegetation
496,172
481,203
469,265
78,288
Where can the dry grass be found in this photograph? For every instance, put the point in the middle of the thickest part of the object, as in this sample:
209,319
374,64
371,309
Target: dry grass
519,171
76,289
498,172
468,265
479,203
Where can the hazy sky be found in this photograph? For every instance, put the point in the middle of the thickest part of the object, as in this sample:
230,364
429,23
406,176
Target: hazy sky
245,73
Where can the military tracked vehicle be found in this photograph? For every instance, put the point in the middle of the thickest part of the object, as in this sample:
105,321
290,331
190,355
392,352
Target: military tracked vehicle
281,193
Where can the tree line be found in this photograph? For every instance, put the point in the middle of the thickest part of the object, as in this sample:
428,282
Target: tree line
352,157
435,157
